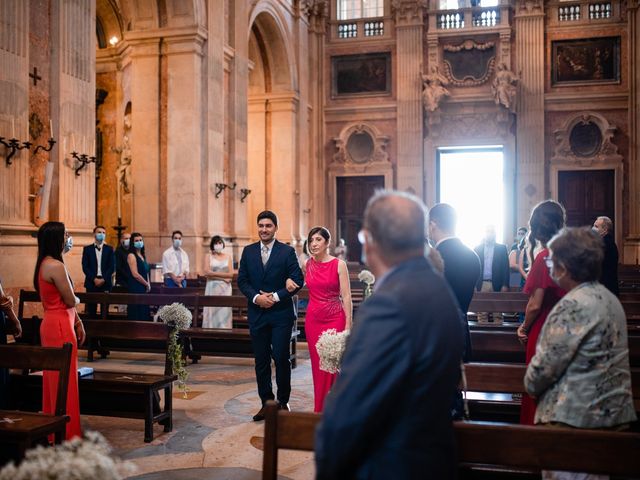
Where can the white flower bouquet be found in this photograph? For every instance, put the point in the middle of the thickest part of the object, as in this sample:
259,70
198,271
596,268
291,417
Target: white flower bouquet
87,458
368,278
330,348
178,317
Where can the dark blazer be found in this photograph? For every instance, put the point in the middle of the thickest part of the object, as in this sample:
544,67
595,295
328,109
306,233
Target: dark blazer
499,269
90,265
388,414
253,277
122,267
461,270
609,276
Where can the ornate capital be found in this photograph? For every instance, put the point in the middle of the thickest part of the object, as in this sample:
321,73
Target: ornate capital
529,7
316,12
408,12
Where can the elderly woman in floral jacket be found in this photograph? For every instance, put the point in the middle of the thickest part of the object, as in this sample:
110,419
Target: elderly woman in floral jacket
580,372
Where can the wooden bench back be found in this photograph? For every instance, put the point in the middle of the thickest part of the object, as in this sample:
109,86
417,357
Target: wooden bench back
42,358
484,444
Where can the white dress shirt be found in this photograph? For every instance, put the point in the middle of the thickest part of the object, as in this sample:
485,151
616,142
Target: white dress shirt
98,250
269,249
170,262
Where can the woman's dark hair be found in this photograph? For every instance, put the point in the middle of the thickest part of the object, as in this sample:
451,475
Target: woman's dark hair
50,244
216,239
268,214
305,247
322,231
580,251
547,218
132,249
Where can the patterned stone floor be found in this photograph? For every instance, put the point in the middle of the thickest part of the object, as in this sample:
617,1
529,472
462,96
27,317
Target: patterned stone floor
212,427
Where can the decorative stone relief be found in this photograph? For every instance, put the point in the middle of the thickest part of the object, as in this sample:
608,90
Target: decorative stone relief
480,125
586,138
433,90
529,6
408,11
470,63
360,144
504,89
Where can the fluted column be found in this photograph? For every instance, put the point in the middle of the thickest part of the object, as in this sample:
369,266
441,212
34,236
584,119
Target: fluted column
409,35
529,25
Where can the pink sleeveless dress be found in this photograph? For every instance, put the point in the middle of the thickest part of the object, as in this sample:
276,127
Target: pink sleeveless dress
325,311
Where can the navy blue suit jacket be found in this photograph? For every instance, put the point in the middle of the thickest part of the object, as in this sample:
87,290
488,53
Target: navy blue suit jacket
90,265
500,271
253,277
388,414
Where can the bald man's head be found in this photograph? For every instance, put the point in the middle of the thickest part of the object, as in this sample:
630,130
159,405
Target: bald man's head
396,222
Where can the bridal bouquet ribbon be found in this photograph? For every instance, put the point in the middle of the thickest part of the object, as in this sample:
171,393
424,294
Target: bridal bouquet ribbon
330,348
178,317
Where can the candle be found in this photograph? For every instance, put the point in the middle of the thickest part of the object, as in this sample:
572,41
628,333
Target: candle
84,144
50,129
64,144
73,143
119,206
13,128
93,147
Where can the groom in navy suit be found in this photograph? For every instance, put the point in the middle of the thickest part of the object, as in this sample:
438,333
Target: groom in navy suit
264,269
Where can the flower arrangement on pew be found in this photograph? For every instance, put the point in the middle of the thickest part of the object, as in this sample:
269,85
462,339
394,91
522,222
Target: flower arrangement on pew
366,277
87,458
330,346
177,317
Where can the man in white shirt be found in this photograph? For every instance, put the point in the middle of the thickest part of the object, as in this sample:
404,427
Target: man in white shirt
98,265
175,263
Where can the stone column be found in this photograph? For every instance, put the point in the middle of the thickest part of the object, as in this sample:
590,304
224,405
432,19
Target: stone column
409,35
529,27
257,200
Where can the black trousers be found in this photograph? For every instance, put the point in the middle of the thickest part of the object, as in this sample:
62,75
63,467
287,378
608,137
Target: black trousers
272,341
91,309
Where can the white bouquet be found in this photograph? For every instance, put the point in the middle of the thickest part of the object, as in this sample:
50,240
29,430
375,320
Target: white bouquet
175,315
178,317
330,348
85,458
368,278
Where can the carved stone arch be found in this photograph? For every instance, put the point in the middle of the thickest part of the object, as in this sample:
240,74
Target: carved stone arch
584,139
359,144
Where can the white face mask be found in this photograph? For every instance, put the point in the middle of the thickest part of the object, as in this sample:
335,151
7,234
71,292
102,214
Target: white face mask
218,247
177,243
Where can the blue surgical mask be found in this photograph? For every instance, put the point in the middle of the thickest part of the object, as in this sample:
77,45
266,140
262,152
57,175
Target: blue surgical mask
177,243
68,244
126,243
139,244
100,237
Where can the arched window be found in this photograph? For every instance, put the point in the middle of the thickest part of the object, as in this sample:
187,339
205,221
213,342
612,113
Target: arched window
353,9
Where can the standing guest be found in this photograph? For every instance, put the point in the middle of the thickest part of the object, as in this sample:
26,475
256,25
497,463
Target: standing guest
609,276
61,323
387,415
122,269
218,268
341,250
175,263
138,276
494,265
264,269
547,218
580,372
461,264
98,265
304,255
516,279
330,306
9,325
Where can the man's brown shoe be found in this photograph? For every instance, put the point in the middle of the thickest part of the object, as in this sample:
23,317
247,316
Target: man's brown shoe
260,415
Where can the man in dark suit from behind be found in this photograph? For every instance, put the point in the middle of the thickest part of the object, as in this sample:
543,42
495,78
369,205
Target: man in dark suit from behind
609,275
461,264
387,415
98,265
494,267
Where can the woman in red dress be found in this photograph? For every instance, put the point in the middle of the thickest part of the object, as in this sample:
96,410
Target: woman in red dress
327,279
547,218
61,323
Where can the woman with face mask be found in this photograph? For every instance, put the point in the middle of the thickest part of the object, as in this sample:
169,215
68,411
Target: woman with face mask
218,269
547,218
138,277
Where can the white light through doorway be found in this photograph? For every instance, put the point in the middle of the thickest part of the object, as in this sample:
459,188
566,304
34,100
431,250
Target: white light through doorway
472,181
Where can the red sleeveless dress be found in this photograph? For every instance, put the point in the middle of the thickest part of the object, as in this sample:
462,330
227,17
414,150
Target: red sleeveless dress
324,311
55,330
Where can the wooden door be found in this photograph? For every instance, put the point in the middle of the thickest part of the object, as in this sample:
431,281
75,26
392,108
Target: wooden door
586,195
353,193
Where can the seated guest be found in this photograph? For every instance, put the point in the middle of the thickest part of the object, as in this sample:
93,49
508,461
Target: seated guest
98,265
387,415
138,277
580,371
175,263
122,270
61,323
9,325
218,268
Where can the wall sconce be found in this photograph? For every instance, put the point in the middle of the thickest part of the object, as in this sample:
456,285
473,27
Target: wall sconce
14,145
220,187
245,193
83,159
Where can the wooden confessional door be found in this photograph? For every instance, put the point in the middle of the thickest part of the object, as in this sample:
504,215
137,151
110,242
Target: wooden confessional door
352,196
586,195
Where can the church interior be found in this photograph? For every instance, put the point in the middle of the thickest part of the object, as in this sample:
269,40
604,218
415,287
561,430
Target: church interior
156,116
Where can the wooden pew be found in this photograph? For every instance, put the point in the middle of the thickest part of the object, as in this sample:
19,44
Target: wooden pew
24,429
484,445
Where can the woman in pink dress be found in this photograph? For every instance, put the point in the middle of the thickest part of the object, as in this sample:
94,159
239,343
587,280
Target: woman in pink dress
327,279
547,219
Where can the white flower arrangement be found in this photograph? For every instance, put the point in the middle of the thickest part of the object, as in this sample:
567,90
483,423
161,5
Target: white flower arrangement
87,458
368,278
330,348
178,317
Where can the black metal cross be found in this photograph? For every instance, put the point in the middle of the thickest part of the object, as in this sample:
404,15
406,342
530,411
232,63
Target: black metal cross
35,76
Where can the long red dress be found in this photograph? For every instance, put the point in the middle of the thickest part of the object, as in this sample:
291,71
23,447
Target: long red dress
538,278
55,330
325,311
